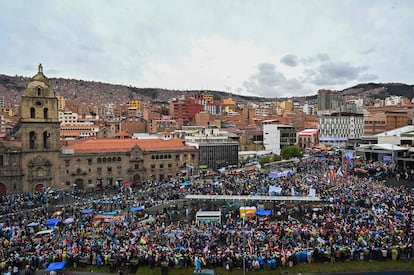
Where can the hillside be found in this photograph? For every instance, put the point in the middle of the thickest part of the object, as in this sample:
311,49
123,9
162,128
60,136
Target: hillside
89,93
380,90
82,92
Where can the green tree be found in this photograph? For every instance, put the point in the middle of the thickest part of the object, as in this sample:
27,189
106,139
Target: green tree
264,159
291,151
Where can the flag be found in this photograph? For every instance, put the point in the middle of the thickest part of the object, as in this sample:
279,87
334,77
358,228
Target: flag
143,240
203,260
332,175
339,172
65,242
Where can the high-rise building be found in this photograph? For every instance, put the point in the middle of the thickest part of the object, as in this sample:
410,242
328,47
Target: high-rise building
61,103
329,100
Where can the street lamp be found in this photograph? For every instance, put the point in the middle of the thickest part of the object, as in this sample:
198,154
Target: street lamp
244,245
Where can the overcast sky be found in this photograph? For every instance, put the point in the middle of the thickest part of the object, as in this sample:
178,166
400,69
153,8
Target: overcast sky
269,48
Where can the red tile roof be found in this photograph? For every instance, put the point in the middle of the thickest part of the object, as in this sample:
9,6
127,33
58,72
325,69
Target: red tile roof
125,145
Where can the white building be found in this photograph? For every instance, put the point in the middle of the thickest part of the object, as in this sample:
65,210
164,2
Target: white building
308,109
68,117
275,136
336,128
393,100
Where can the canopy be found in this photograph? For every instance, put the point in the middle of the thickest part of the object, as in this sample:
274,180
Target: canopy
137,208
52,222
262,212
109,213
68,220
55,266
43,232
87,211
186,183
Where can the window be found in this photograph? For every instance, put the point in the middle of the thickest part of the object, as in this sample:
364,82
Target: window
109,169
136,167
99,170
161,166
152,166
119,159
45,113
89,161
32,113
32,140
99,160
40,172
39,91
45,140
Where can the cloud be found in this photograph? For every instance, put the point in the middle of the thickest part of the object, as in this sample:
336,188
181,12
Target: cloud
290,60
268,82
336,73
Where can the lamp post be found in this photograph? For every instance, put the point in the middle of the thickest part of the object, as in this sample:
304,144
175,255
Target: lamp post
244,245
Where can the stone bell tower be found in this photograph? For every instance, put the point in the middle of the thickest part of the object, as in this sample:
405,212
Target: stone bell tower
40,135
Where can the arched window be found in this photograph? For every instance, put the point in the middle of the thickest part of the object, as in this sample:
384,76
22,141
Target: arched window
99,160
32,140
32,113
119,158
46,140
45,113
39,91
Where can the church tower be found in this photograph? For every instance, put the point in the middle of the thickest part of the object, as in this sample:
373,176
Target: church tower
40,134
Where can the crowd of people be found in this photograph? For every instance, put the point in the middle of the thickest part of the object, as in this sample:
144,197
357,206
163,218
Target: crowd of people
359,218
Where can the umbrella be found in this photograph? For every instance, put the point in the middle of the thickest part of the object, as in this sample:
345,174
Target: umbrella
137,208
52,222
69,220
126,184
87,211
55,266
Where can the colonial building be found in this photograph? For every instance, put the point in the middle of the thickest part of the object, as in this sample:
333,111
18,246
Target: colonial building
94,163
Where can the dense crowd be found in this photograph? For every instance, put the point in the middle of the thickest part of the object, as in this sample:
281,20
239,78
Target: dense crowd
360,217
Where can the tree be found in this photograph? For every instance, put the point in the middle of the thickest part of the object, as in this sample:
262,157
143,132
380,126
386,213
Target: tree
291,151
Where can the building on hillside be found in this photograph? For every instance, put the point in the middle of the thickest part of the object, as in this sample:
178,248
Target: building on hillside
375,123
135,103
329,100
308,109
78,131
336,129
165,123
308,138
68,117
396,119
134,124
215,148
61,103
276,136
184,110
287,105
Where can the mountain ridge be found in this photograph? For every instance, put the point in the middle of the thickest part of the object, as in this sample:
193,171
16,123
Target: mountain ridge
93,92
